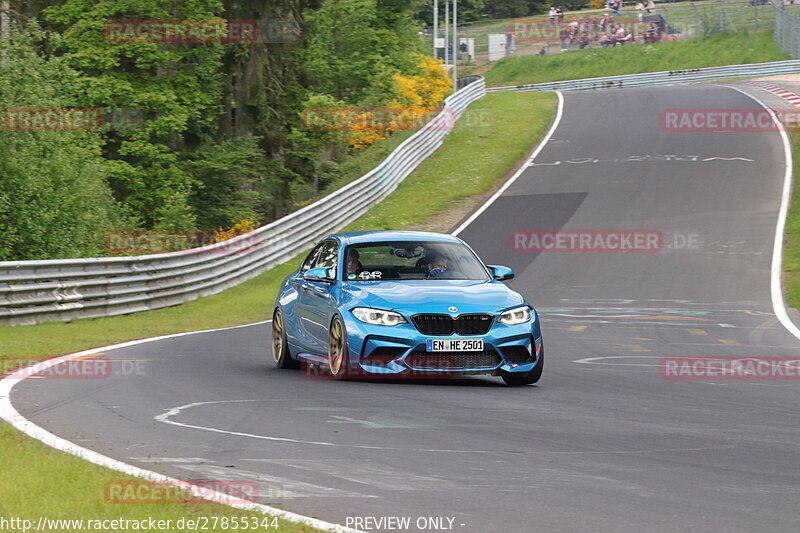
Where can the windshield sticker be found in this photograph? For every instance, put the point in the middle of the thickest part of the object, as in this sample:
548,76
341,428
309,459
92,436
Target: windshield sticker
367,275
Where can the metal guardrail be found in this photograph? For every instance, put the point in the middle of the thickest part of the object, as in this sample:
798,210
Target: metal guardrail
667,77
67,289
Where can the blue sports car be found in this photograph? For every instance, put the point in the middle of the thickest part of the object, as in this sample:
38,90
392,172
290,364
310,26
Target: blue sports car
404,303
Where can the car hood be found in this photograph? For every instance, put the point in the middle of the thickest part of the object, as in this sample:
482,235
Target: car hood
431,296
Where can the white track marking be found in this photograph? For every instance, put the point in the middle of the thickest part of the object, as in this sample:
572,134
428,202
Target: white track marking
10,415
273,487
167,416
520,170
380,476
596,360
776,273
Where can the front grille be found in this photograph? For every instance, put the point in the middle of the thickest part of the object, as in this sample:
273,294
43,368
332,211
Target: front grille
517,354
473,324
434,324
452,360
439,324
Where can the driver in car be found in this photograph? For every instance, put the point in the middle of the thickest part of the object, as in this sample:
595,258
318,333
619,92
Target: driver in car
437,264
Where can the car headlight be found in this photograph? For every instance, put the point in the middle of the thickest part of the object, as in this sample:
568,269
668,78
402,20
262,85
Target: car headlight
378,317
518,315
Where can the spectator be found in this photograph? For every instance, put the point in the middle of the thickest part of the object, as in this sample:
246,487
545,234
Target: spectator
650,6
622,36
639,10
584,42
563,36
560,13
552,14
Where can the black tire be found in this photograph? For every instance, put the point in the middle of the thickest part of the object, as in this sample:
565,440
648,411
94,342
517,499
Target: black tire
280,345
515,379
338,355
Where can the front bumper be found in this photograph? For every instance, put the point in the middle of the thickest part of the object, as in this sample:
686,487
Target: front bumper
401,350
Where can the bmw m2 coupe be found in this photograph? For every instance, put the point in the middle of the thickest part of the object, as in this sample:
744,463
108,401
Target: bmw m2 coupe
404,303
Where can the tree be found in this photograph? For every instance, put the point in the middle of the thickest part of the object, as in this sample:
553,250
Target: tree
54,201
176,87
468,11
514,8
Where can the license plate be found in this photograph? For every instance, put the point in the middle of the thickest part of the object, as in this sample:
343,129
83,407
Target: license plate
454,345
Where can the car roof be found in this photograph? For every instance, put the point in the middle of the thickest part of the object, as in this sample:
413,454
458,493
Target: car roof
358,237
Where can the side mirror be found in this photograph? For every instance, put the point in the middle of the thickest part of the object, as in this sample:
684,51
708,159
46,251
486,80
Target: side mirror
500,273
322,274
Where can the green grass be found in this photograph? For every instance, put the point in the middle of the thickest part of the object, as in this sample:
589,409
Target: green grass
38,481
472,160
691,18
720,49
791,243
364,160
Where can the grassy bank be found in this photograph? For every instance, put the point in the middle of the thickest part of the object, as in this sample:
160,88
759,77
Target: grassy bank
791,245
38,481
716,50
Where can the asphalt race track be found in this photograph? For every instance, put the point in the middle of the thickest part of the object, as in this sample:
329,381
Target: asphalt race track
602,444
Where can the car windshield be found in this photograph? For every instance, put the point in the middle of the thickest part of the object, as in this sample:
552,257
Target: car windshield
407,260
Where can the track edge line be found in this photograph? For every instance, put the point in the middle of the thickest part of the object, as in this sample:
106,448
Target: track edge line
776,269
559,112
10,415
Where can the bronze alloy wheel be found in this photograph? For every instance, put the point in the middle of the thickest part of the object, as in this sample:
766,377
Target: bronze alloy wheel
280,344
277,337
337,349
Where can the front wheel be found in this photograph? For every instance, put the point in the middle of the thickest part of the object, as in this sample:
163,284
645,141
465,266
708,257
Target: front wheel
338,356
280,344
516,379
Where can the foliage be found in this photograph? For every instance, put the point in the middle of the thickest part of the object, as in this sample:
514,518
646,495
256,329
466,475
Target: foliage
54,202
225,171
499,9
213,131
176,87
358,45
417,96
468,11
238,227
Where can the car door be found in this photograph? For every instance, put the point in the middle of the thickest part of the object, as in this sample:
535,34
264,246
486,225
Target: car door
315,304
297,333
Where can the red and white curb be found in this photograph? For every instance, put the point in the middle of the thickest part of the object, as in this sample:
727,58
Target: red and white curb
789,96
